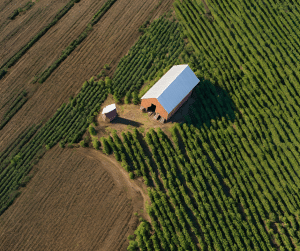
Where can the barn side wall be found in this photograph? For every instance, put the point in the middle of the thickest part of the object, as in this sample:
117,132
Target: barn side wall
110,116
159,109
179,105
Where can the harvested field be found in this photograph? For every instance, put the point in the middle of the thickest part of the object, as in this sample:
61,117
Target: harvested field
14,34
78,200
110,39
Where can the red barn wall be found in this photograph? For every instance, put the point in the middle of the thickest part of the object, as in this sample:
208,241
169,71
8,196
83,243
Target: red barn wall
159,109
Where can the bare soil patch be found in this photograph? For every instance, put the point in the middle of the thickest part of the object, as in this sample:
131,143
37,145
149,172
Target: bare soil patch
78,200
132,187
16,33
110,39
130,116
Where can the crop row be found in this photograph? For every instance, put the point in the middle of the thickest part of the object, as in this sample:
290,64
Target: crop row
26,7
67,125
41,78
14,59
14,108
157,49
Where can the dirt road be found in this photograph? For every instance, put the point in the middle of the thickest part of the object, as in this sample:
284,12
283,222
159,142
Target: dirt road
78,200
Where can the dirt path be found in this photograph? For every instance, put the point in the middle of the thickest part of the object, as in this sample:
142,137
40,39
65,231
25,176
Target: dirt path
110,39
18,32
77,200
120,176
130,116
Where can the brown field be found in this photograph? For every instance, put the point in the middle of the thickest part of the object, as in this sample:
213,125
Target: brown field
14,34
110,39
79,199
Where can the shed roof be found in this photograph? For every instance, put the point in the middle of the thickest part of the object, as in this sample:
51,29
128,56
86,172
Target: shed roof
109,108
173,87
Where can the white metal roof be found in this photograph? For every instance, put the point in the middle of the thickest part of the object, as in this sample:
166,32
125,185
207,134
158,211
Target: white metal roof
109,108
172,88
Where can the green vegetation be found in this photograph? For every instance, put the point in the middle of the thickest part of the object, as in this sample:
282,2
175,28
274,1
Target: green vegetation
229,178
13,60
130,153
130,237
61,144
197,191
108,83
12,150
96,143
41,78
135,98
142,237
14,108
106,67
131,175
102,74
92,131
101,12
82,143
133,245
158,48
106,146
67,125
26,7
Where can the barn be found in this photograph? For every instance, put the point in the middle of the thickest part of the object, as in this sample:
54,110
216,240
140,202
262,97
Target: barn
170,92
109,112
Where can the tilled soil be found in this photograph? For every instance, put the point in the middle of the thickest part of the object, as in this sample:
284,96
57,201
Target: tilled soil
14,34
110,39
74,202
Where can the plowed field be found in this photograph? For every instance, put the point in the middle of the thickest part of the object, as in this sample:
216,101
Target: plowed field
14,34
110,39
78,200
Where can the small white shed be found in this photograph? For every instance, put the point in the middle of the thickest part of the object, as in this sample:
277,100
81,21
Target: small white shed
109,112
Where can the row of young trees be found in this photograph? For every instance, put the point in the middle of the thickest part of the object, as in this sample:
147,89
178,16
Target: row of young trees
24,8
16,105
248,51
158,48
14,59
67,125
41,78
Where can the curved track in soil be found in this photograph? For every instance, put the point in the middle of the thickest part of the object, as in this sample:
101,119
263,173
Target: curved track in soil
77,200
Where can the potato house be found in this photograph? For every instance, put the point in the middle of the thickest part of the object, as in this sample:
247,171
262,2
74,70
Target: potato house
109,112
170,92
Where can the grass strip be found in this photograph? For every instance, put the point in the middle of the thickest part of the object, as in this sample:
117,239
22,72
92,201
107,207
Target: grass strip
26,7
67,125
41,78
14,108
14,59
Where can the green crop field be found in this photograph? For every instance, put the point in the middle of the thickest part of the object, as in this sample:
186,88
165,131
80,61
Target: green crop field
227,178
